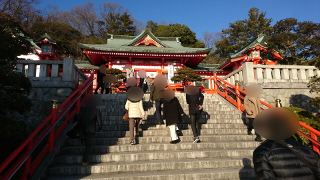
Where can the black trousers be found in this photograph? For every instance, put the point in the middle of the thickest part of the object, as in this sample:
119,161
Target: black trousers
158,109
100,85
87,141
250,126
195,123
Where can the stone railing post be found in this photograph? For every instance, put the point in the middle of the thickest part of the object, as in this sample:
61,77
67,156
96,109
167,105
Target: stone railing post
285,73
248,74
293,74
68,69
302,74
259,75
276,73
31,70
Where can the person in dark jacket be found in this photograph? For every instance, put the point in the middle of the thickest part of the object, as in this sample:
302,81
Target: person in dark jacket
88,116
100,82
274,161
280,156
195,108
157,96
143,84
172,112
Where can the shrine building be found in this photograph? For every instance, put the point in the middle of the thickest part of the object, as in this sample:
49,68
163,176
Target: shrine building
144,52
249,53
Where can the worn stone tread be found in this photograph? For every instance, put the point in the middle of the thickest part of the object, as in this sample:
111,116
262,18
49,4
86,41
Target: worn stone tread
247,173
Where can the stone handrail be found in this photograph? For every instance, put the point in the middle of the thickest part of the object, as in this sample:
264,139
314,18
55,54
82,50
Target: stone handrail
234,75
70,73
249,74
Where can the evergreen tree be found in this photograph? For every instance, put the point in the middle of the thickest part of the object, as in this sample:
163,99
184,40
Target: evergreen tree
242,32
14,86
296,42
186,74
152,25
120,24
187,37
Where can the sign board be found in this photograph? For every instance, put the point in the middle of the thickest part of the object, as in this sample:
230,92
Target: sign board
170,73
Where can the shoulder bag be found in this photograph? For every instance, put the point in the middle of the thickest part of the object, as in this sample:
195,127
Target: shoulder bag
300,157
126,116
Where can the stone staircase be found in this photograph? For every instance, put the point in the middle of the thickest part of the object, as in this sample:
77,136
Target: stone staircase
225,151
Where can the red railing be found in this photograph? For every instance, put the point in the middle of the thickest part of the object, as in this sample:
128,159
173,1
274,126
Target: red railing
22,155
238,96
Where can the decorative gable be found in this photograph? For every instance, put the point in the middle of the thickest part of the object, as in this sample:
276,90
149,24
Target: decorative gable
147,41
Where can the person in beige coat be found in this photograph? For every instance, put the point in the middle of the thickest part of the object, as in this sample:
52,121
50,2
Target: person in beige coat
252,106
136,113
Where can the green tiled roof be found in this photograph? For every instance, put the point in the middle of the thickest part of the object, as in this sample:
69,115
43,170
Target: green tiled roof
257,41
207,67
46,36
124,43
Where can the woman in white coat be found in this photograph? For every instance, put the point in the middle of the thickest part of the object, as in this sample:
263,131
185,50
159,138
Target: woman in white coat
136,113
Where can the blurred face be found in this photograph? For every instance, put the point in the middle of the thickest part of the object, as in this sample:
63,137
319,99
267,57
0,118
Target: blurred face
276,123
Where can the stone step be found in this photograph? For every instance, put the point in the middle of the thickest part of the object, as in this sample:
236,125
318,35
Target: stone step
163,127
149,166
117,120
245,173
161,147
164,132
157,155
162,139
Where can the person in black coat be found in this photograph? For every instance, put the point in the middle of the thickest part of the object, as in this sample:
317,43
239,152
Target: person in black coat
88,116
172,112
195,108
274,161
100,82
143,84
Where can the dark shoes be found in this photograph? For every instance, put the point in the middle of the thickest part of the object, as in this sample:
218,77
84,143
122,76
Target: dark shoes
179,133
196,140
175,141
249,132
84,164
132,142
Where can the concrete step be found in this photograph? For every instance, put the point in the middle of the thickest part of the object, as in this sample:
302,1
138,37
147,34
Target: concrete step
149,166
117,120
246,173
157,155
161,147
163,127
185,117
162,139
166,132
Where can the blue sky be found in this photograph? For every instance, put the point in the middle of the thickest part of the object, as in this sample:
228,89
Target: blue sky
207,15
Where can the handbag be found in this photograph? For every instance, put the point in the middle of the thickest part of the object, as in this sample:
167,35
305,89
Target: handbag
300,157
126,116
76,132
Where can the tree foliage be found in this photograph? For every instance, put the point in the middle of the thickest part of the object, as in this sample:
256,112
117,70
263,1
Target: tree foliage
187,37
113,71
242,32
152,25
295,41
314,86
65,35
307,118
14,86
186,74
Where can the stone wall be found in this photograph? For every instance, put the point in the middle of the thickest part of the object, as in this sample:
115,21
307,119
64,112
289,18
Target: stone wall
45,89
290,94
